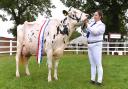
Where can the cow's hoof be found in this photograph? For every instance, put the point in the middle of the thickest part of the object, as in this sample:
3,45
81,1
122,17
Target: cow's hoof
49,79
56,78
28,73
17,75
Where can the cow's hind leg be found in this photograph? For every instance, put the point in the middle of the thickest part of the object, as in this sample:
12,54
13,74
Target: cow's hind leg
26,65
56,62
18,58
17,64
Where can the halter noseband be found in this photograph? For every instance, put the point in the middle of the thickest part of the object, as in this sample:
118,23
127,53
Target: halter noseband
76,18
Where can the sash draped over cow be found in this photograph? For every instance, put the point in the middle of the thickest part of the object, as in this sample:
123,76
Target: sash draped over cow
41,40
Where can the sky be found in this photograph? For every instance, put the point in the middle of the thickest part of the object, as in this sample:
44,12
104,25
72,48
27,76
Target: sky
57,12
4,26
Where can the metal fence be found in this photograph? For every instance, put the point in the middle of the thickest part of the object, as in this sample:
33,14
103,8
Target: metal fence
113,48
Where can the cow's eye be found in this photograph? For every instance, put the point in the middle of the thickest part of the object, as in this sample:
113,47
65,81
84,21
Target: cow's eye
73,15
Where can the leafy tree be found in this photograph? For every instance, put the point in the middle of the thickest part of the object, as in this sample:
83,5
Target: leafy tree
24,10
114,12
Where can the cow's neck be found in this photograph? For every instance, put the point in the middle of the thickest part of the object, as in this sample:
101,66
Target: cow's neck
72,27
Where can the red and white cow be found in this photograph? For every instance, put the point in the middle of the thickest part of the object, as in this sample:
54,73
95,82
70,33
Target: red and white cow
56,37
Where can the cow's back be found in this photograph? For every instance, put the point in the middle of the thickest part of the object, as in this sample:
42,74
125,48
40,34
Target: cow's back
28,34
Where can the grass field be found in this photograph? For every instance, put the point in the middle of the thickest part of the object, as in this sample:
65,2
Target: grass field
74,73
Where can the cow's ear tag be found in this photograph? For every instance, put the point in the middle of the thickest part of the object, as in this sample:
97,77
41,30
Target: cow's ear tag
65,12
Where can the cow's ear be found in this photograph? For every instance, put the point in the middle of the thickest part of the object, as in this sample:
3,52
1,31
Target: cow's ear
65,12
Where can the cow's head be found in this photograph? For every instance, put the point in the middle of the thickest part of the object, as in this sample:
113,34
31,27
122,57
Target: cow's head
73,19
75,14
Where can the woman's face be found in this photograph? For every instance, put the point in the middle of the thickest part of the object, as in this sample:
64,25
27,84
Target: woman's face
96,16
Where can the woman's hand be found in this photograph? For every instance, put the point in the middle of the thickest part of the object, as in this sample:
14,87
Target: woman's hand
86,22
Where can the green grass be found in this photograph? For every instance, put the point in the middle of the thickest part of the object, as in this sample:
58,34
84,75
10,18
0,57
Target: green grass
74,73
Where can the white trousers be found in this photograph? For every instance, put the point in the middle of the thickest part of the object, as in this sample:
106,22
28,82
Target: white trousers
95,58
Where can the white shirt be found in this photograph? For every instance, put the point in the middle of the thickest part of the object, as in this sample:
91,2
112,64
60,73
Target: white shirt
96,31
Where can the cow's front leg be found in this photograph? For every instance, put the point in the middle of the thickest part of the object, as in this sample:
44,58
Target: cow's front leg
56,62
49,61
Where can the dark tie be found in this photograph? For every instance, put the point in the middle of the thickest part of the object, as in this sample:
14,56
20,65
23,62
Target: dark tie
88,33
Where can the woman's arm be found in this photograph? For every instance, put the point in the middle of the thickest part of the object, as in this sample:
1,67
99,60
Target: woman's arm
100,29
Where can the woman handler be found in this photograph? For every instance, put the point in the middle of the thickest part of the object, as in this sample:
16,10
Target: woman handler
95,32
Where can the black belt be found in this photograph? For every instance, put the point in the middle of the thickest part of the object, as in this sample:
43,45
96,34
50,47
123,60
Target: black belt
94,42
